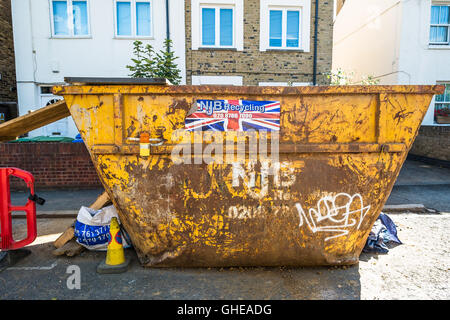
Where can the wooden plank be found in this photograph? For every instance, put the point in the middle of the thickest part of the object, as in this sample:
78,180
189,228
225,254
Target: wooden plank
34,120
65,237
70,249
69,234
101,201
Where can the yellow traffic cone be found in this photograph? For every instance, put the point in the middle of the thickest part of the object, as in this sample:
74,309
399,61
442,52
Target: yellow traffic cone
115,257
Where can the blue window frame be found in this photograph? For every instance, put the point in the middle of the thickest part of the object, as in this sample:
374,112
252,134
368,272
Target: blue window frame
226,27
133,18
70,18
284,28
293,27
123,18
80,18
217,27
440,23
208,26
60,18
143,18
275,36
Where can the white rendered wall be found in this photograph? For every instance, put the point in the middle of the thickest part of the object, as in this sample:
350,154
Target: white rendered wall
41,59
389,39
423,63
366,39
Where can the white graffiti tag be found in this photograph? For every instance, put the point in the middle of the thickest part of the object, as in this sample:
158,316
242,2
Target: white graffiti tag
334,214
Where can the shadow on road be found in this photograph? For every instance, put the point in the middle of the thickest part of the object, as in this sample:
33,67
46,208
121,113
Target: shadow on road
44,276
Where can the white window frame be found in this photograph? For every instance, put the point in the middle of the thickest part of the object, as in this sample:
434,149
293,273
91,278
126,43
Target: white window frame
71,34
285,5
133,20
238,23
447,103
284,84
62,122
217,80
444,44
284,11
217,25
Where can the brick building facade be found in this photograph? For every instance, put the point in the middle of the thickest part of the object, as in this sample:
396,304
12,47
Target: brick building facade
432,142
252,62
53,165
7,65
8,92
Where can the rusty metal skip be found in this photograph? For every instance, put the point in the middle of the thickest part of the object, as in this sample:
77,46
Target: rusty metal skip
340,151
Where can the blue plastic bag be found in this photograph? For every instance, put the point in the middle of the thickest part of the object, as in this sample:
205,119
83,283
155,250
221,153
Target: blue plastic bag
92,228
383,233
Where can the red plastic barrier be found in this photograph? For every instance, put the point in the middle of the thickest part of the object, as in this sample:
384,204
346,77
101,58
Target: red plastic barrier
6,208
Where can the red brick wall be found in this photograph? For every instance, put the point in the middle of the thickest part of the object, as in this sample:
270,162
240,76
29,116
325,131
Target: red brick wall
432,142
53,165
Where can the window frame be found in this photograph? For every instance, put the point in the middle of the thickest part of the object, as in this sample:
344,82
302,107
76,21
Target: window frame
446,103
283,84
444,44
305,28
217,8
133,20
198,80
71,34
238,24
284,28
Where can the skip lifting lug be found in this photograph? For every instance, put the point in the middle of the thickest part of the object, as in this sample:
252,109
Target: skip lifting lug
35,198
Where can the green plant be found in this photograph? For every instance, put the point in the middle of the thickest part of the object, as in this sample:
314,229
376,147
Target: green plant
148,64
144,65
370,80
165,66
340,77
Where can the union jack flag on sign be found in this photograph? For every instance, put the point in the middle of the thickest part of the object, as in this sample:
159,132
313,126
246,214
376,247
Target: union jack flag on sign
234,115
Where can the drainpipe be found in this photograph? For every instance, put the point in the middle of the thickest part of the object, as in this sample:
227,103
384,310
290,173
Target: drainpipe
33,49
167,22
316,21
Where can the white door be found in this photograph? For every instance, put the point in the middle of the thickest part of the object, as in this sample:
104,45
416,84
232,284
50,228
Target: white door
58,128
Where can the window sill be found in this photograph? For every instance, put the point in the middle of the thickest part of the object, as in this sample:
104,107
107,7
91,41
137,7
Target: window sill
284,50
133,38
439,46
71,37
216,48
